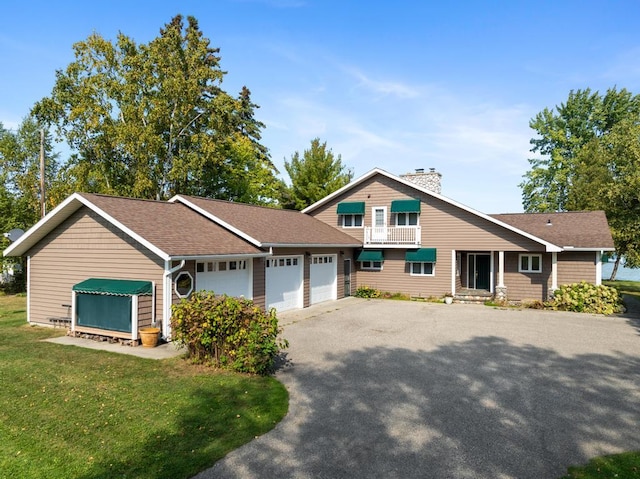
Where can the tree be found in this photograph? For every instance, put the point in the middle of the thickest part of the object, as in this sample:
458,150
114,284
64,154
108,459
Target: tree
152,120
562,133
314,176
590,151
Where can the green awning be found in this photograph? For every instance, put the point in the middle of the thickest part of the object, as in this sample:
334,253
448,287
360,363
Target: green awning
351,208
423,255
405,206
116,287
370,255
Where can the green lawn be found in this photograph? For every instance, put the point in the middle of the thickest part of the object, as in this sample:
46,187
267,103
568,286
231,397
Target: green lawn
626,287
73,412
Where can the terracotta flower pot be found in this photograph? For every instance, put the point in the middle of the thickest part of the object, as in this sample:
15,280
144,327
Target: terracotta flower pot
149,337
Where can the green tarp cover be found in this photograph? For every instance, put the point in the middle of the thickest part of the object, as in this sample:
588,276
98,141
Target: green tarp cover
370,255
351,208
104,311
117,287
405,206
423,255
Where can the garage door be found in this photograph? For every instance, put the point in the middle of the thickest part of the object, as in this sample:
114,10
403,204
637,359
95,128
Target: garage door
323,278
284,284
230,277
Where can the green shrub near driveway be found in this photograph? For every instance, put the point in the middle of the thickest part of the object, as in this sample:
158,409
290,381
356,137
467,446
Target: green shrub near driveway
585,297
227,332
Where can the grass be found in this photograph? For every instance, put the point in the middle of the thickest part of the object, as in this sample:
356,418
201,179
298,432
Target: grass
622,466
626,287
73,412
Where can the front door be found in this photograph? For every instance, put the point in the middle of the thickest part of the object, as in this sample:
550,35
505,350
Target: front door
479,269
379,220
347,278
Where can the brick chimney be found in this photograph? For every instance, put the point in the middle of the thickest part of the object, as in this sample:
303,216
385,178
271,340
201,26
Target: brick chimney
429,180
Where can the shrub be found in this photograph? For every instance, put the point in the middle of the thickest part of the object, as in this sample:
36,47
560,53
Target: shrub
367,292
585,297
227,332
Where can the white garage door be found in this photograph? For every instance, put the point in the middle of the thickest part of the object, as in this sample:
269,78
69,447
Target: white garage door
284,285
230,277
323,278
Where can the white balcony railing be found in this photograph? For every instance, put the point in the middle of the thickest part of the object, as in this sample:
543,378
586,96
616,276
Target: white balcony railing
392,235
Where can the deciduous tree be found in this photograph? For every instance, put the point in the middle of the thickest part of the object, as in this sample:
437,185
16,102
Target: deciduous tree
151,120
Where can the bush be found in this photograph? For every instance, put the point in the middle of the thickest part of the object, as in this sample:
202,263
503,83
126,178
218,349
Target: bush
585,297
227,332
367,292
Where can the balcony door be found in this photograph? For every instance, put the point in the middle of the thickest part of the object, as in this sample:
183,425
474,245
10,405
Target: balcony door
379,223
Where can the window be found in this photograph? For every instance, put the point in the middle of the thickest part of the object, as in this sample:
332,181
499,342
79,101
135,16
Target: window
352,221
406,219
200,268
183,284
371,265
422,269
530,263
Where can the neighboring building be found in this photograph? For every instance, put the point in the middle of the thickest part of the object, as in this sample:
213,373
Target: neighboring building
397,234
416,241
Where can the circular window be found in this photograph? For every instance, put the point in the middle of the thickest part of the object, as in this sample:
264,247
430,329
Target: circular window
184,284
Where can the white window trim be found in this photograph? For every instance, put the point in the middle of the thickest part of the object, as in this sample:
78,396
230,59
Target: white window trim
372,267
353,215
433,268
175,284
530,256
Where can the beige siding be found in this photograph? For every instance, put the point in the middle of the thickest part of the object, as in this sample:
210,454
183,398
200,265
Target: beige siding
395,276
443,226
259,293
145,311
527,286
85,246
574,267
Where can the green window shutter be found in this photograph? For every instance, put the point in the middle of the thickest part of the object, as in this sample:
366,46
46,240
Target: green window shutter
351,208
405,206
370,255
423,255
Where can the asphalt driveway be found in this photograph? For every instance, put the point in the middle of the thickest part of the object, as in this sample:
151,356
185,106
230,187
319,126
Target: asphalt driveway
401,390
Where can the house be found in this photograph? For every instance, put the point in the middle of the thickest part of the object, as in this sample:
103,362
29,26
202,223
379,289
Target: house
92,249
416,241
111,265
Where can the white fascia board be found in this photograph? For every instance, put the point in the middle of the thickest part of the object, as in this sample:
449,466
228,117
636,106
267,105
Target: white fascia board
215,219
550,248
220,256
44,225
311,245
595,248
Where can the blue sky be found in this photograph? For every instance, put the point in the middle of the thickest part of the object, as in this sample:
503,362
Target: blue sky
395,85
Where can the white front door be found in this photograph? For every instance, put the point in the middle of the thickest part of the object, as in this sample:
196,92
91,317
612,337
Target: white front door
323,281
379,223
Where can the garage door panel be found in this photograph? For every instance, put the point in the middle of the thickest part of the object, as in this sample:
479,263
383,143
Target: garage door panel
323,281
284,287
224,280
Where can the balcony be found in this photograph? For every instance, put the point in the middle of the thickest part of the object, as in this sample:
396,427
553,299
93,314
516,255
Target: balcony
392,235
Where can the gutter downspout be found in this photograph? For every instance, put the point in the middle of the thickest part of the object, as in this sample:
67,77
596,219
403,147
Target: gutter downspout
167,295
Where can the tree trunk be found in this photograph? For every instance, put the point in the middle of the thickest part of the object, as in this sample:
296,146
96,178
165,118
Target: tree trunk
614,271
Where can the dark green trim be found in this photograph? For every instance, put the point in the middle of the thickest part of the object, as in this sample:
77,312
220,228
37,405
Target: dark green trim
405,206
423,255
117,287
351,208
370,255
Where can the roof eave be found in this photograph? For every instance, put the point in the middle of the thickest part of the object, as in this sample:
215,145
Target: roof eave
312,245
